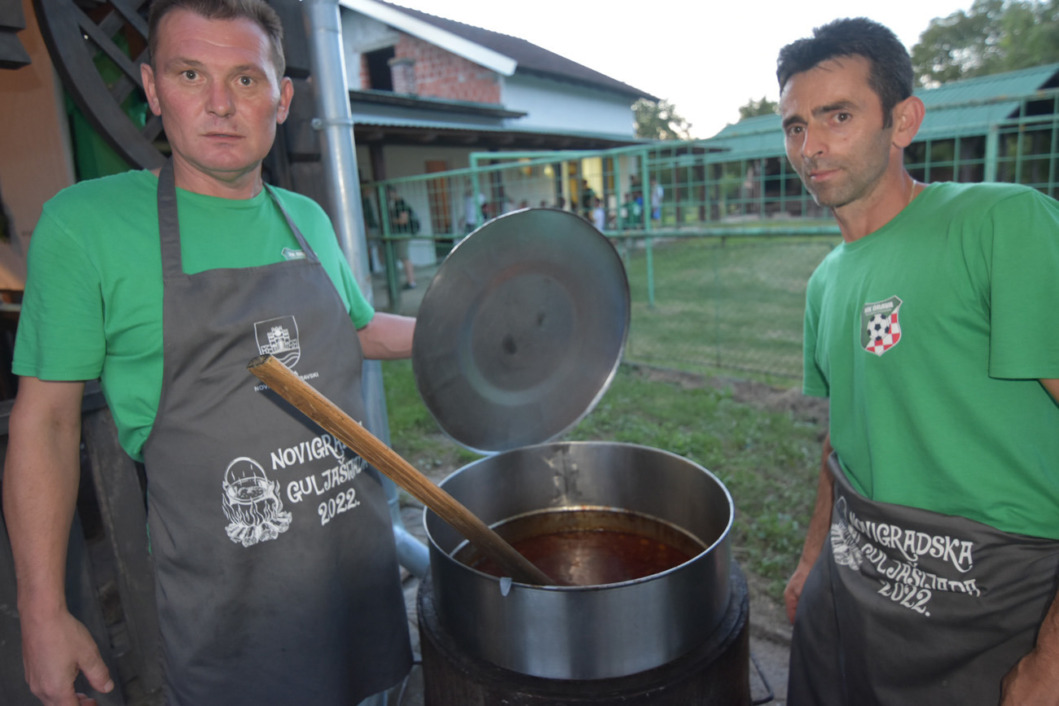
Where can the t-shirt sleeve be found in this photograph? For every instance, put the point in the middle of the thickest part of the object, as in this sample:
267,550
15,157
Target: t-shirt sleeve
334,261
360,311
1024,287
60,331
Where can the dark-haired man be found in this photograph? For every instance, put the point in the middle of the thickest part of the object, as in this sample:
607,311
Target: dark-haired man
276,574
930,569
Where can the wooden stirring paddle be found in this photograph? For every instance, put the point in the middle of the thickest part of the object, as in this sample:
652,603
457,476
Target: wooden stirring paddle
325,413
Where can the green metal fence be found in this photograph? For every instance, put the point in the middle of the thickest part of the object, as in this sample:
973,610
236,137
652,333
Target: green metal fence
718,248
1022,149
727,295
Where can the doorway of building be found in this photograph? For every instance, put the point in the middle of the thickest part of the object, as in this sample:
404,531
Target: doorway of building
440,202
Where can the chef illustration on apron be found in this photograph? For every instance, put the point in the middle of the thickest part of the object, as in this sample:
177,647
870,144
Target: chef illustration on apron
908,606
277,578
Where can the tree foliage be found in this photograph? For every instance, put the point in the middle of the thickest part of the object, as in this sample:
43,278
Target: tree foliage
993,37
754,108
660,121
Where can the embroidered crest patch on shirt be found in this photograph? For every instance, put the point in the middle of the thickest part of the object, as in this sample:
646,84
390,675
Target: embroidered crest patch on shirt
880,329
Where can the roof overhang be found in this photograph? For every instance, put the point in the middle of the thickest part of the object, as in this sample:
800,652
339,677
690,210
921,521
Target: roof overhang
368,131
459,46
434,105
380,116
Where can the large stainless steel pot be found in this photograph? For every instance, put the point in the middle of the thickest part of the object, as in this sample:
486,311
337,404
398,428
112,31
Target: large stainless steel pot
585,632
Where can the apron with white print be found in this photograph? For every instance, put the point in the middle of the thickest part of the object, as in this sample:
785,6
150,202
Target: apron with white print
277,578
907,606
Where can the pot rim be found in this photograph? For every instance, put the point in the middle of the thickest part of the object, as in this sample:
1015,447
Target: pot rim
721,538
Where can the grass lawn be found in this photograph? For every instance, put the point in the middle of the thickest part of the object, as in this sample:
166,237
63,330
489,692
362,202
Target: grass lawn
734,303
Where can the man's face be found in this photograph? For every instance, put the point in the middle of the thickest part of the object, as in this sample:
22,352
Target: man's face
833,128
215,86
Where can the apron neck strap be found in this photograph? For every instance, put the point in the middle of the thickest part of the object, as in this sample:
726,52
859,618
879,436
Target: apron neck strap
309,254
169,223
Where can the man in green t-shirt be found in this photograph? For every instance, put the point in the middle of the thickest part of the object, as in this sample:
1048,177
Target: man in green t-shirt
275,566
931,566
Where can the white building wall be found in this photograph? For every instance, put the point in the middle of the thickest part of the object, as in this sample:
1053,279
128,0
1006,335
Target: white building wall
404,161
362,34
560,106
532,185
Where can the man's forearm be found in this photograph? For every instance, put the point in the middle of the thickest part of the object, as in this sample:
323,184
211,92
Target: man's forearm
387,337
1035,678
1048,637
820,522
41,475
40,491
819,526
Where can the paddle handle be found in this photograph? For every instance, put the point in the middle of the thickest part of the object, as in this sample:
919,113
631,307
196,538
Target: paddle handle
325,413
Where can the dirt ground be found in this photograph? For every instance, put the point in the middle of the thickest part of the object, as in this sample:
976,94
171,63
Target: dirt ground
766,397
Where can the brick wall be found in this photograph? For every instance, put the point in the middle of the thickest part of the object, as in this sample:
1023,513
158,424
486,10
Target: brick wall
365,77
402,71
440,74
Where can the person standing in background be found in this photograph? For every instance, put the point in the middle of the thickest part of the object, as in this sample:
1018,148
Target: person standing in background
587,197
599,215
403,222
657,192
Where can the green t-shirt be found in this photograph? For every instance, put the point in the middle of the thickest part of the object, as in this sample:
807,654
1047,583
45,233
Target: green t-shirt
940,407
93,302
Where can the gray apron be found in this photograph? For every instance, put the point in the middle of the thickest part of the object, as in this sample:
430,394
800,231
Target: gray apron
907,606
277,578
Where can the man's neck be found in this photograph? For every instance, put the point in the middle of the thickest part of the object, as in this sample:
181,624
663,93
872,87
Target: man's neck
236,185
864,217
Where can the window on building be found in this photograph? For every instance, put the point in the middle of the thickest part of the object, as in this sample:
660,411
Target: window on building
379,76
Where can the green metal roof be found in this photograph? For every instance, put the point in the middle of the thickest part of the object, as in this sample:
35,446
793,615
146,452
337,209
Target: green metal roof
752,138
972,105
962,107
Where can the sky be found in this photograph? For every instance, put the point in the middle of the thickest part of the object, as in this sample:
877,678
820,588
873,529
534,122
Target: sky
707,57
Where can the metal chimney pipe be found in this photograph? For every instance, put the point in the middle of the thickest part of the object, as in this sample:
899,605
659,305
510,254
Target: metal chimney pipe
335,125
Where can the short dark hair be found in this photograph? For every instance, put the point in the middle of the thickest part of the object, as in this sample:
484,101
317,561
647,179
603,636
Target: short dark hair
891,75
257,11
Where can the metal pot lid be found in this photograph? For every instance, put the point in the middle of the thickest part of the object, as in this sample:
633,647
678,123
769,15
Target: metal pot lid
521,330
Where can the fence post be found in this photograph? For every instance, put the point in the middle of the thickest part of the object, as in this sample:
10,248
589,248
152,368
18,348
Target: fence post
649,259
